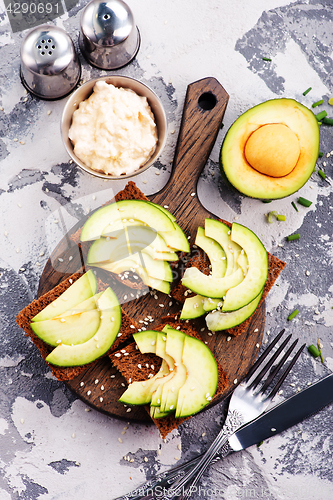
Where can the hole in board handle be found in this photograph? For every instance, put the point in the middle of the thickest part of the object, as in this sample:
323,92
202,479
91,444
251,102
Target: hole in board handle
207,101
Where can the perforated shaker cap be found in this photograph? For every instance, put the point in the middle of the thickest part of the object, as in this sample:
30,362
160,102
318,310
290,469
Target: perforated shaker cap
109,38
50,68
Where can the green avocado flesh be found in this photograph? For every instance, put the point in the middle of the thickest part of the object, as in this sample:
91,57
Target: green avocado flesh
129,264
218,320
257,273
135,230
100,343
214,251
186,381
125,209
299,120
208,286
246,272
71,329
84,288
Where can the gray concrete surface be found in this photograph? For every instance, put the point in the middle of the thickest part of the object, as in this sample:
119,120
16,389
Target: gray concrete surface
51,447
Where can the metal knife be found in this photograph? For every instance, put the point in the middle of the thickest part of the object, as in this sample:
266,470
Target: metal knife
284,415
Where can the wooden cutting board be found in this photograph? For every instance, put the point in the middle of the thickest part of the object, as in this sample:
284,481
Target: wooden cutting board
101,385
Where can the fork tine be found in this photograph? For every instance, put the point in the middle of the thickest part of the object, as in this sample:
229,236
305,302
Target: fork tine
278,366
286,372
264,355
270,363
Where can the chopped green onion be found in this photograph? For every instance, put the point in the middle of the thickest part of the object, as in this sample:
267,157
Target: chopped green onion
266,201
321,115
320,154
293,314
330,101
321,173
320,123
274,213
319,349
328,121
304,202
266,59
293,204
293,237
271,215
259,444
318,103
313,351
307,91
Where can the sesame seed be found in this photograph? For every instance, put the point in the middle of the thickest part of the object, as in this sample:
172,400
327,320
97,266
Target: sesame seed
256,330
101,399
81,384
228,338
258,345
235,381
96,381
120,440
128,410
273,429
73,435
88,393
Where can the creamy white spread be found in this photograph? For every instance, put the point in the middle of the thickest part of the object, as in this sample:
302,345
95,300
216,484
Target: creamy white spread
113,131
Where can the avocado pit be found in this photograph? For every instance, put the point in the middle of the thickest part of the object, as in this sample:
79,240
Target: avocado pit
273,149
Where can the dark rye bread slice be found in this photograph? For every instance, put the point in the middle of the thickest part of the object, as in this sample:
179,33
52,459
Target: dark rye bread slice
24,318
200,260
135,366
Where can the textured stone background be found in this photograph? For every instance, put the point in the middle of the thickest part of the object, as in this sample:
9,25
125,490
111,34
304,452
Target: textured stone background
50,447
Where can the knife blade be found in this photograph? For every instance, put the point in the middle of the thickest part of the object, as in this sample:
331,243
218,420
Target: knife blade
284,415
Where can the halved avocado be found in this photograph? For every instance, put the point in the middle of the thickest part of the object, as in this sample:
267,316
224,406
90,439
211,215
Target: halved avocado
270,151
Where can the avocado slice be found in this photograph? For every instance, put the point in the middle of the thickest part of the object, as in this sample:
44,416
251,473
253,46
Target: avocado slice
257,273
270,151
201,384
86,305
79,291
100,343
139,392
193,307
70,329
161,351
214,251
174,347
219,320
159,269
125,209
220,232
208,286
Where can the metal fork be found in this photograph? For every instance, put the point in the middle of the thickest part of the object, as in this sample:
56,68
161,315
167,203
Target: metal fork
248,401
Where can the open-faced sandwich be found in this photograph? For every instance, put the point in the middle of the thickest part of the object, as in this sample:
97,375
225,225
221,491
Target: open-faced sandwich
169,369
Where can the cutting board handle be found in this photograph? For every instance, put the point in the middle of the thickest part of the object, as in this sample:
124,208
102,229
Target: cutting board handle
204,107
